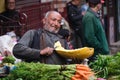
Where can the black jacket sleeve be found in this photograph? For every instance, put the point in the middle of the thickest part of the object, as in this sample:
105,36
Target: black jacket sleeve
74,15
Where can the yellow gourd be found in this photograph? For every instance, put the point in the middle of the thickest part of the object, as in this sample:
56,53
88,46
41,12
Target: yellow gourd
80,53
58,45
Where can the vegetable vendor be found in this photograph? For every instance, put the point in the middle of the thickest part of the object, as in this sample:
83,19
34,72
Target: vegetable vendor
38,45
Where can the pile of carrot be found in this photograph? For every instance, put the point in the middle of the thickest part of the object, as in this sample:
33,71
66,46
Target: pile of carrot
82,72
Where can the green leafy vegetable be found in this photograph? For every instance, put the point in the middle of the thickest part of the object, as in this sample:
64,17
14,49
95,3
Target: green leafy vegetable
9,59
38,71
107,66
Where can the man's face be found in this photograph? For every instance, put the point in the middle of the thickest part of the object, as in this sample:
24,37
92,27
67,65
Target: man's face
99,6
11,4
53,22
77,2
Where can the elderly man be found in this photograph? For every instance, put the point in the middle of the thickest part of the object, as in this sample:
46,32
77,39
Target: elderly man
38,45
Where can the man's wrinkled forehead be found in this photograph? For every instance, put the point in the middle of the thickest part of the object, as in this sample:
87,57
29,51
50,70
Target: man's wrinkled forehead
55,15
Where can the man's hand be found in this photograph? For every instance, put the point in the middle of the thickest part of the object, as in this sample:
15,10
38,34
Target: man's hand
47,51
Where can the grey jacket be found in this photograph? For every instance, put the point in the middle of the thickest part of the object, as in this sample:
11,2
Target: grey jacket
27,50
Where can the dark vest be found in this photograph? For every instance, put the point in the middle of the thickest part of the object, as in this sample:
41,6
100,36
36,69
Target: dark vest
43,39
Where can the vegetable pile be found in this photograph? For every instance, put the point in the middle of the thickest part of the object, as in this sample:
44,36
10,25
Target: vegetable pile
107,66
38,71
83,73
9,59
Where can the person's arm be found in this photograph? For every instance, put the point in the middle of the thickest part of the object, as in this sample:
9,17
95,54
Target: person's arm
22,49
73,13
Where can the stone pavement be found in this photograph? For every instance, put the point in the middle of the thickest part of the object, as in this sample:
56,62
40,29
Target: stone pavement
114,47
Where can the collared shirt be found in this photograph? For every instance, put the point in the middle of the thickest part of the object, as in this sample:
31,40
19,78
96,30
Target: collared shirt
96,14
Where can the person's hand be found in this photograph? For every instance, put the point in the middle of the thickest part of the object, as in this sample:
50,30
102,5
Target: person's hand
47,51
83,13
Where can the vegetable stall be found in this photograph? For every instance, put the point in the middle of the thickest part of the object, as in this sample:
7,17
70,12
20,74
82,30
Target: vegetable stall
39,71
105,67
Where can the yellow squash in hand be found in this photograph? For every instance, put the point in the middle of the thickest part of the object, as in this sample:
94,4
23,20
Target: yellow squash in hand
80,53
